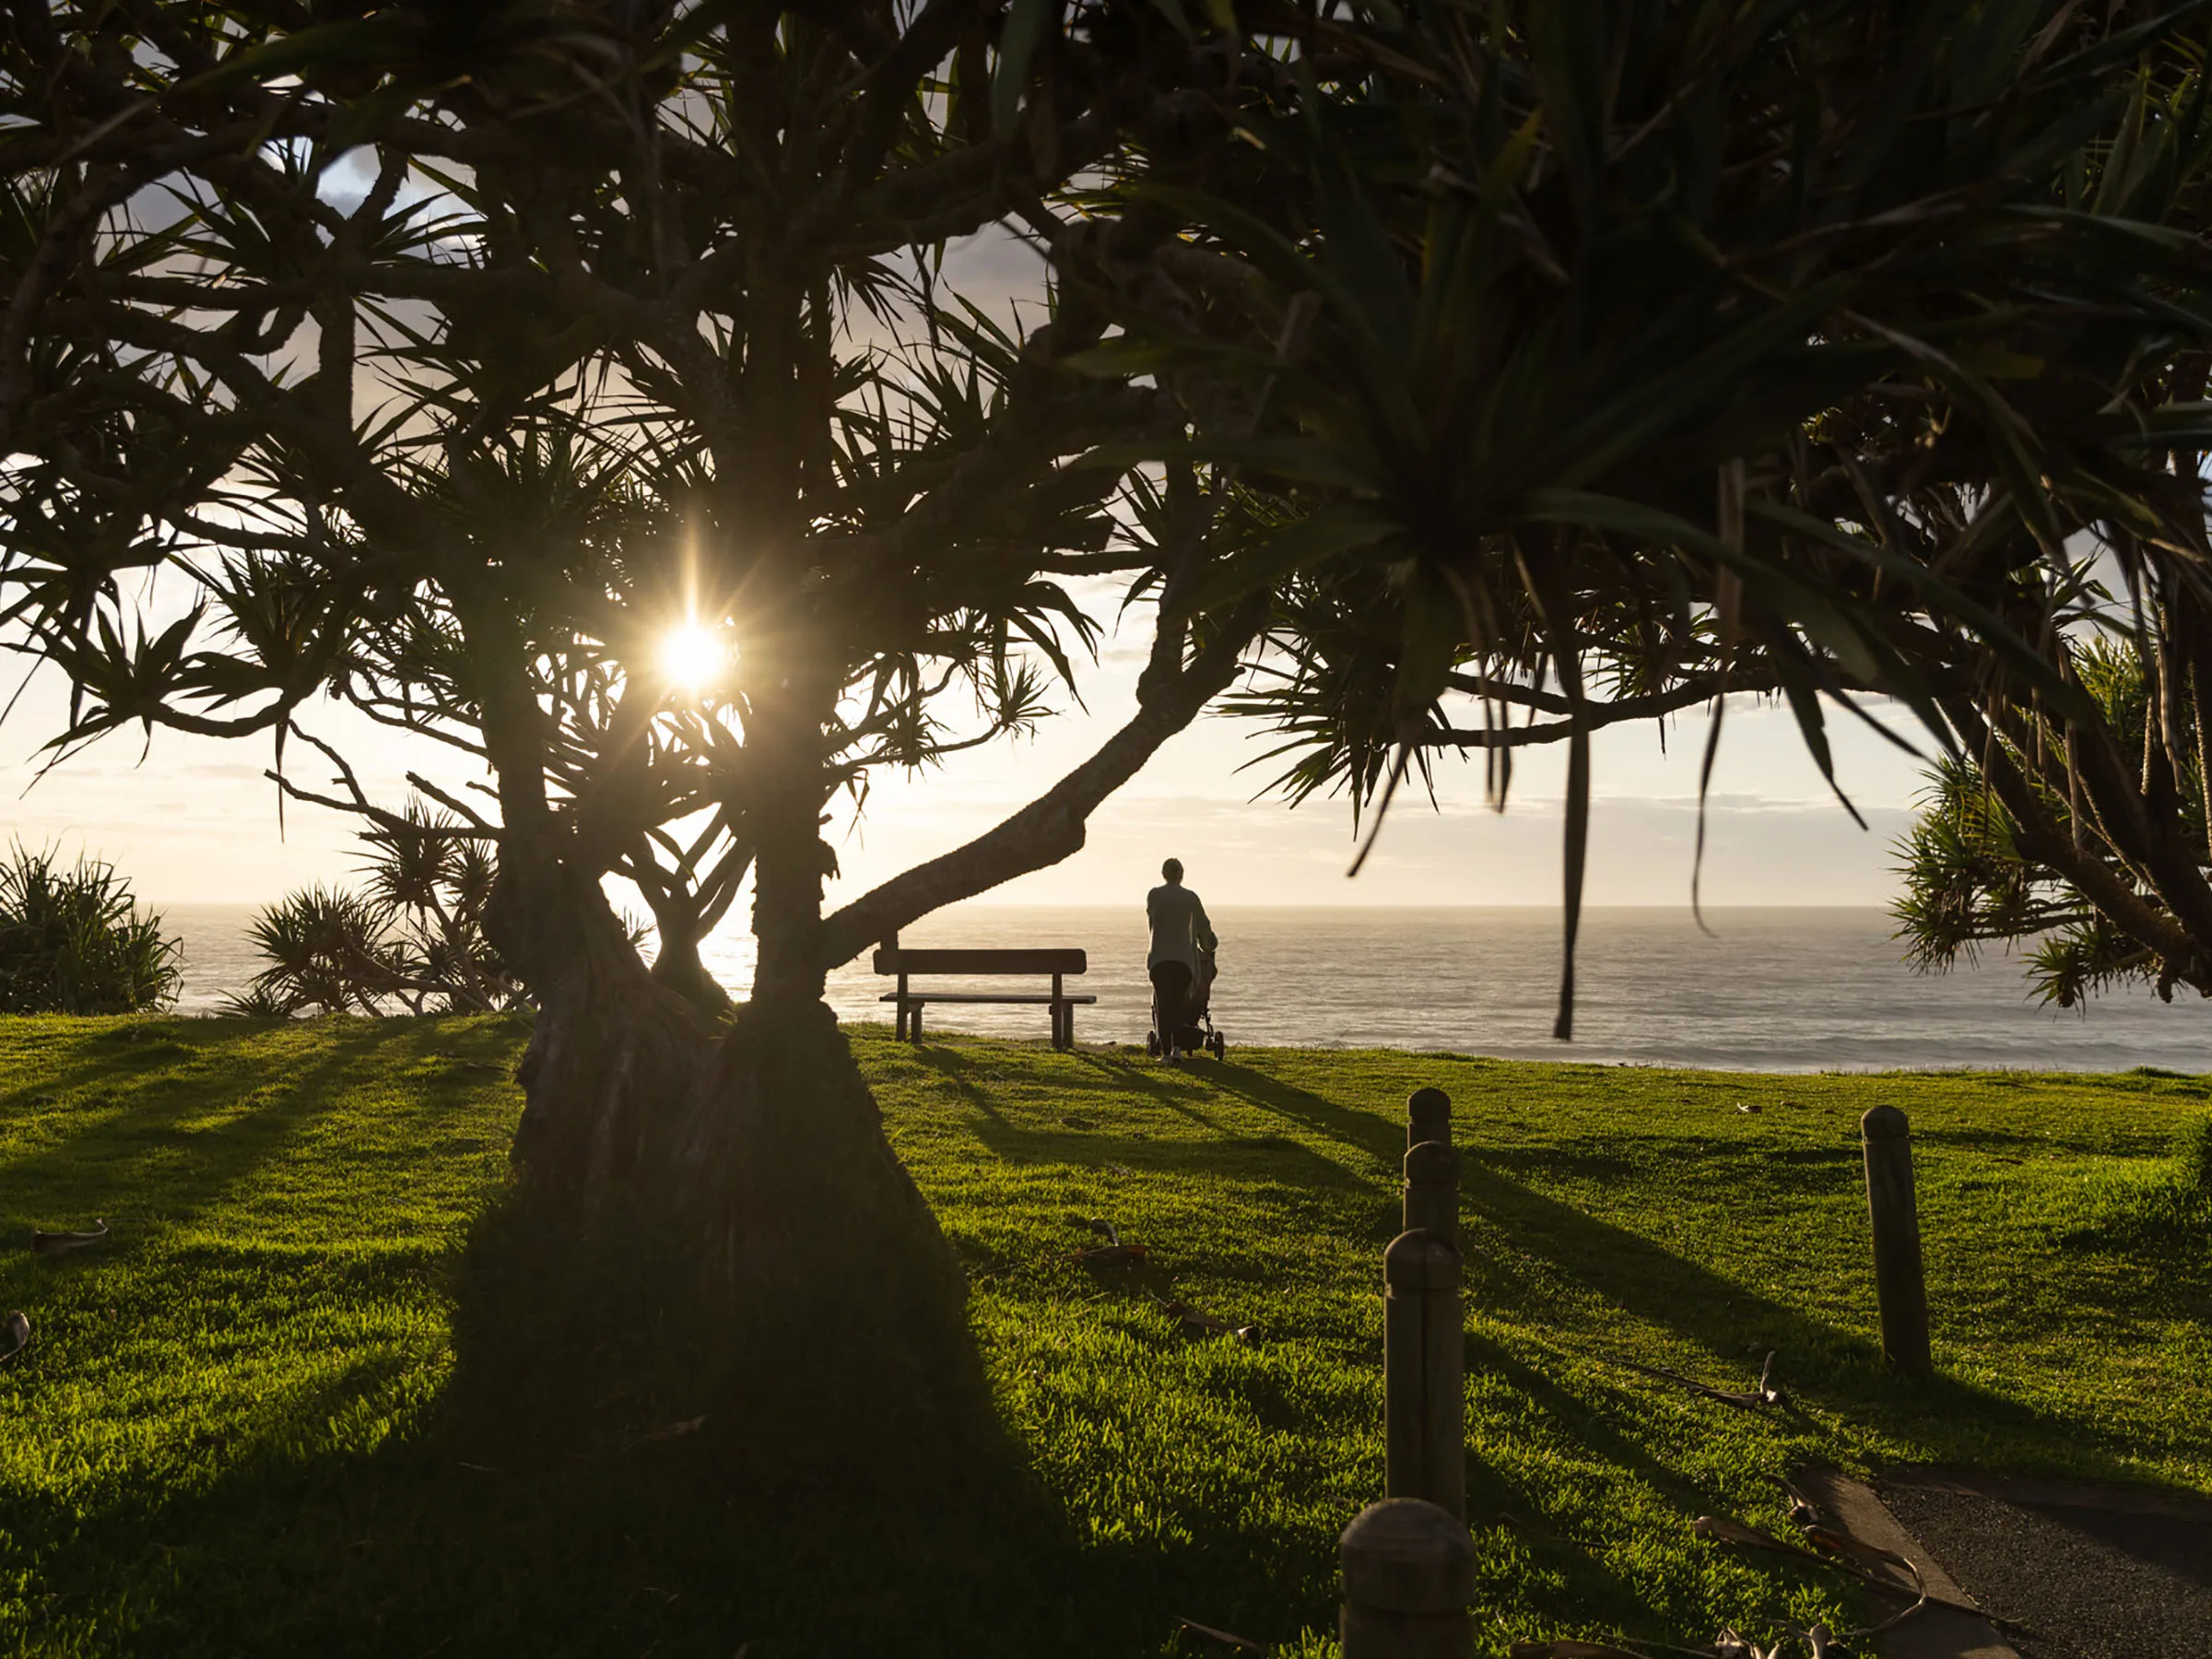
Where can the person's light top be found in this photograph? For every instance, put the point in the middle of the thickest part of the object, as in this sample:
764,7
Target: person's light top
1179,926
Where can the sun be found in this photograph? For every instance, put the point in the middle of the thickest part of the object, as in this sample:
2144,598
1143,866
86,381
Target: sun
692,657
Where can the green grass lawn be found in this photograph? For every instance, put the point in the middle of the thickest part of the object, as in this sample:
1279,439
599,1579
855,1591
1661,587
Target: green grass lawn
318,1395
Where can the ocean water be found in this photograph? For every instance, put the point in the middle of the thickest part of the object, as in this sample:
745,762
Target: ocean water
1767,989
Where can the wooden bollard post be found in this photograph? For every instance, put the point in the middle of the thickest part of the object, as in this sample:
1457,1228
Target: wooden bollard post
1408,1576
1900,1288
1427,1117
1424,1390
1431,1200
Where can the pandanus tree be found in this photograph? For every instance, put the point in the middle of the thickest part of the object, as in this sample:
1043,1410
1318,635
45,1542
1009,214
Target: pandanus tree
1652,352
578,386
409,937
2080,841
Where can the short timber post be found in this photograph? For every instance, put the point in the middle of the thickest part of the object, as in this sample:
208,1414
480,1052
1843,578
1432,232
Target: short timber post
1408,1576
1062,1020
1431,1202
1424,1391
1427,1117
1900,1289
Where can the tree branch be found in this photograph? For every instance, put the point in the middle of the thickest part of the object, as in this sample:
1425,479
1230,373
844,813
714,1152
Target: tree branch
1053,826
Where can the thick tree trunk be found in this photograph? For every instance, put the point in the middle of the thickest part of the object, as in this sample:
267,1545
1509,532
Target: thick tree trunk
750,1139
614,1055
753,1141
783,740
797,1199
677,963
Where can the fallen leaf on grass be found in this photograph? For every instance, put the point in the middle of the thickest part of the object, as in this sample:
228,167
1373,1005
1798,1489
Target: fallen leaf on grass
55,1243
1114,1250
1850,1555
1835,1540
1111,1253
1765,1391
653,1436
16,1328
1227,1637
1721,1530
1198,1319
484,1066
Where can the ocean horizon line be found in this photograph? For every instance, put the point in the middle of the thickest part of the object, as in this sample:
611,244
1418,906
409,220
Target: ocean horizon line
157,903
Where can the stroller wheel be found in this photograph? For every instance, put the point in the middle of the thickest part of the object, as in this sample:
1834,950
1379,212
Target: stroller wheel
1152,1044
1218,1045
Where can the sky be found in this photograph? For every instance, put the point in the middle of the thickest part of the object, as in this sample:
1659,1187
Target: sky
191,819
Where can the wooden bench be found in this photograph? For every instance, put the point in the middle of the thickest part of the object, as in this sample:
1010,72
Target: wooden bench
906,964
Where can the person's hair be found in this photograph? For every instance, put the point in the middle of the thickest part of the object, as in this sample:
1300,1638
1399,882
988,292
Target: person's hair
1172,869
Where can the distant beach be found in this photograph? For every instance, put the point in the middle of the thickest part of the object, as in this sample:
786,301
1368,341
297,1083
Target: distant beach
1771,990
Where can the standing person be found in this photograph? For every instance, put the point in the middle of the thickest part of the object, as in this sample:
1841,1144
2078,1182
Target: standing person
1179,931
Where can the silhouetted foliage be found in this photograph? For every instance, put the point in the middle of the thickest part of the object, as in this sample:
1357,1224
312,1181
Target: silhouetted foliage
74,941
412,939
2064,885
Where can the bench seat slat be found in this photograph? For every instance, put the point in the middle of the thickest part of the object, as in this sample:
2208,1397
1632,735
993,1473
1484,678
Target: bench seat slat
1040,999
981,962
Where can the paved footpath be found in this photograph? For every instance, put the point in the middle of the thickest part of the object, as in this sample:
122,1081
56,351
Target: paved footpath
2090,1572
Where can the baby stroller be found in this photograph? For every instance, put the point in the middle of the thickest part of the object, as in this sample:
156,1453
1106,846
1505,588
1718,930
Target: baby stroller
1197,1034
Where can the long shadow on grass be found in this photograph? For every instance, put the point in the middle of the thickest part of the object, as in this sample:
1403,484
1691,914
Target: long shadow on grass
1622,1267
131,1155
610,1470
1102,1138
1518,1239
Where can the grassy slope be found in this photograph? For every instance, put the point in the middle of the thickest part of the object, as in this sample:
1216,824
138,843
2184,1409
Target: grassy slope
312,1398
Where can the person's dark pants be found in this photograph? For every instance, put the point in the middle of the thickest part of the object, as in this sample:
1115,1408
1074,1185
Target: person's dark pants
1170,996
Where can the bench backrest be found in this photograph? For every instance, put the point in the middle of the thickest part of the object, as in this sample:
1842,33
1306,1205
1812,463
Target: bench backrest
894,959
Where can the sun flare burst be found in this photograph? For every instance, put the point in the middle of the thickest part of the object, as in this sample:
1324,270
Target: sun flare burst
692,657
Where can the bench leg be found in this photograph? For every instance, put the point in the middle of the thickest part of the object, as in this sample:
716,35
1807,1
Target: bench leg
913,1025
1059,1025
1067,1026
